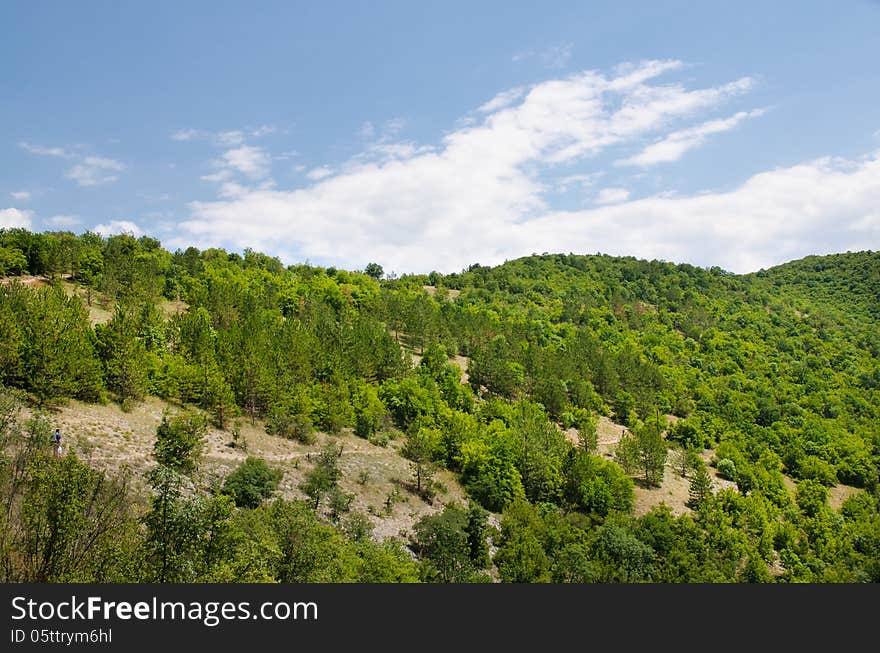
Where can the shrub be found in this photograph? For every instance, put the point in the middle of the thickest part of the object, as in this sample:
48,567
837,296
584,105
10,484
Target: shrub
251,482
727,469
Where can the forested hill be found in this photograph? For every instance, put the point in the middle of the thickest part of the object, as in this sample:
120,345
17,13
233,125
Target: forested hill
847,283
588,382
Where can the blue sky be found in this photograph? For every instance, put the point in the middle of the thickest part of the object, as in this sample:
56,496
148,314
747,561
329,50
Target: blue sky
434,135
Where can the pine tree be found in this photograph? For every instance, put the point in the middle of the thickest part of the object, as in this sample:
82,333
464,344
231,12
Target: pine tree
701,485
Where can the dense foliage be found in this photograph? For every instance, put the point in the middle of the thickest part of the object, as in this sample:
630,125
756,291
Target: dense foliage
778,373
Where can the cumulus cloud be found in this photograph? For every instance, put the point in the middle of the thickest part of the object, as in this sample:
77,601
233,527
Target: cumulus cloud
115,227
95,170
817,207
478,196
15,218
20,195
612,196
676,144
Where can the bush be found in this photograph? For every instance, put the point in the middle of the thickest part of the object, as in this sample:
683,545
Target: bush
286,423
251,482
726,469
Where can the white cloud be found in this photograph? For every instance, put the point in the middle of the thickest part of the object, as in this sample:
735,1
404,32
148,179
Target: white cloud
118,227
15,218
229,138
612,196
316,174
220,175
478,195
89,171
64,220
817,207
185,134
556,56
263,130
393,127
578,181
503,99
250,161
676,144
45,151
95,170
367,130
21,195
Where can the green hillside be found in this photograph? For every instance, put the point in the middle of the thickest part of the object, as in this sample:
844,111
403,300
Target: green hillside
590,383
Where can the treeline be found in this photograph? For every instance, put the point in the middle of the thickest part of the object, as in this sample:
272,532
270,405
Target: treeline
773,384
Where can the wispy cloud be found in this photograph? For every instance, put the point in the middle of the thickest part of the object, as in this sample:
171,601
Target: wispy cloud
472,197
503,99
95,170
250,161
229,138
21,195
15,218
555,56
612,196
676,144
45,151
319,173
578,181
185,135
90,170
64,220
367,130
263,130
226,138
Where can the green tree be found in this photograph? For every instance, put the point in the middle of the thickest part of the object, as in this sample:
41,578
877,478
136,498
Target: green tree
251,482
124,355
179,441
324,476
420,447
374,270
700,485
644,451
442,540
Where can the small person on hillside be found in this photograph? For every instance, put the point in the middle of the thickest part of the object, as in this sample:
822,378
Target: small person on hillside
57,439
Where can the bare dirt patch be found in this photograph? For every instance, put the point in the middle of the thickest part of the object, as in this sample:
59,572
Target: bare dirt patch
837,494
674,491
449,293
26,280
110,439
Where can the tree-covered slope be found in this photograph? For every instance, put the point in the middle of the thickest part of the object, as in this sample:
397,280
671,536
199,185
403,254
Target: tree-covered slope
774,376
